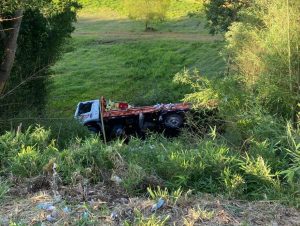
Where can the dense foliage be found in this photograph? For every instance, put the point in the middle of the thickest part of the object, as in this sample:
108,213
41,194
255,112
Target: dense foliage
264,50
10,6
222,13
207,164
43,32
260,95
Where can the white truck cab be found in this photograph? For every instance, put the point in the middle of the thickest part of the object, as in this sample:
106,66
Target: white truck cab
88,111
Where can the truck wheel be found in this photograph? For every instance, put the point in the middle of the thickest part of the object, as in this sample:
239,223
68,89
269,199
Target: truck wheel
173,121
118,131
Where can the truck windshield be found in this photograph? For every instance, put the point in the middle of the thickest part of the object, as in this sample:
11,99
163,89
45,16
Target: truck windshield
84,108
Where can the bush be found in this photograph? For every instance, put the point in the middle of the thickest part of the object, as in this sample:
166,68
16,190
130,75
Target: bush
86,158
258,176
62,130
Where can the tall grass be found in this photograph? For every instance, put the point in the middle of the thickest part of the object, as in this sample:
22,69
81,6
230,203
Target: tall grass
207,165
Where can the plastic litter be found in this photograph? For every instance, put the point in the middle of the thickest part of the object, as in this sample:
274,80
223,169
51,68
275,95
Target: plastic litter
114,215
158,205
4,221
66,209
116,179
85,215
51,208
46,206
57,198
55,214
50,218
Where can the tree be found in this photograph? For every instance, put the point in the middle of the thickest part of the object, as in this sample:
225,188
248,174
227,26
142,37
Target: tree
147,10
10,47
14,11
222,13
43,31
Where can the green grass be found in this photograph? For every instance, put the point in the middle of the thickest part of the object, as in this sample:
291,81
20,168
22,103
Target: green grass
177,8
110,55
139,72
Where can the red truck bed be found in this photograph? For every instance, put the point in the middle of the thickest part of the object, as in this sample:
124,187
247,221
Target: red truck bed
146,109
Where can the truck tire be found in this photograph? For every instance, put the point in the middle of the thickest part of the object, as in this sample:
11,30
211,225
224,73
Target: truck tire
118,131
173,121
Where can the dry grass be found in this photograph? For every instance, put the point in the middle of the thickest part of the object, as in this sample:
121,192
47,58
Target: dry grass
103,200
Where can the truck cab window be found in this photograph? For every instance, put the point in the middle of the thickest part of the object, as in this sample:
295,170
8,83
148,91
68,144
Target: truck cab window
84,108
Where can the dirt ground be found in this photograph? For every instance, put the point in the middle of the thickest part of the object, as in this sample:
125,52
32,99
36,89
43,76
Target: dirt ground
109,205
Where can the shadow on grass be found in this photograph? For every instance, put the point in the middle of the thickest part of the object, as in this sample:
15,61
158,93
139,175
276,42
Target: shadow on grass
185,28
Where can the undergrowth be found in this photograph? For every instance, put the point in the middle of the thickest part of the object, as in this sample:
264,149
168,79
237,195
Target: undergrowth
206,165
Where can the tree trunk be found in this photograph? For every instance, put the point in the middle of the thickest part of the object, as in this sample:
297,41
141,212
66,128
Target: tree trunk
10,48
146,25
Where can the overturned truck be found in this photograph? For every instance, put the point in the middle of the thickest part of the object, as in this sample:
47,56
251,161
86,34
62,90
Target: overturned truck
118,119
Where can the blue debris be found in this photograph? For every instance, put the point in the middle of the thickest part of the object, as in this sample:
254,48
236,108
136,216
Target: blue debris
54,214
66,209
158,205
50,218
114,215
46,206
85,215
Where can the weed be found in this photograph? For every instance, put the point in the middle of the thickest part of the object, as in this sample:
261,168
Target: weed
234,183
134,176
153,220
171,197
293,172
258,176
197,214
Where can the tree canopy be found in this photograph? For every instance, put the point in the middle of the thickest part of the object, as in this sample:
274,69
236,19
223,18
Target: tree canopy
222,13
147,10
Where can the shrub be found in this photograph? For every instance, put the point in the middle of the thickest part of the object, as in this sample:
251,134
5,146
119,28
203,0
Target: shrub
258,176
25,163
87,158
234,183
60,130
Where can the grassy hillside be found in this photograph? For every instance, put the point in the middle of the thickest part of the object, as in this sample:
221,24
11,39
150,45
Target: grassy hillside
111,55
244,171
